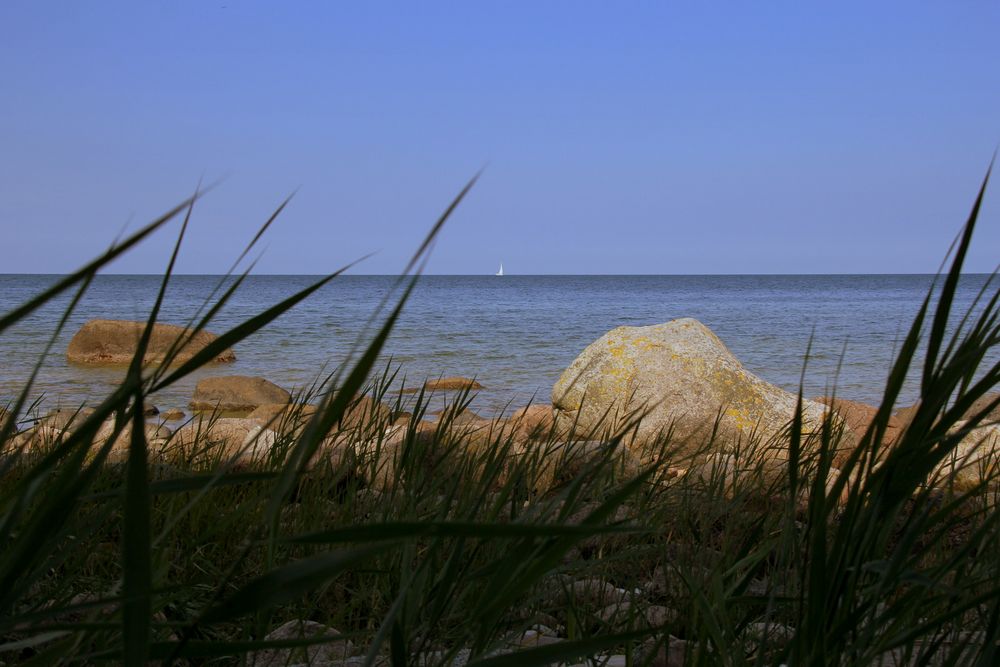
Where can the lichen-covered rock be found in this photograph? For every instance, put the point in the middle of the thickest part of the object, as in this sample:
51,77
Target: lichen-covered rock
116,342
236,393
684,378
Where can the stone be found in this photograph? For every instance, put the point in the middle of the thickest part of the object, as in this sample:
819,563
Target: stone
116,342
282,416
533,638
974,459
66,419
173,414
905,415
225,438
451,384
683,378
333,652
592,591
156,436
41,437
858,417
563,461
769,633
670,653
628,614
365,411
534,421
236,393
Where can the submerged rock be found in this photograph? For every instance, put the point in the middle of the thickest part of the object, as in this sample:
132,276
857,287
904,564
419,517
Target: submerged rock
236,393
116,342
451,384
683,378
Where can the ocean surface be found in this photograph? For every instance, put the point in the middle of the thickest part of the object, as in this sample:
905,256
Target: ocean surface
515,334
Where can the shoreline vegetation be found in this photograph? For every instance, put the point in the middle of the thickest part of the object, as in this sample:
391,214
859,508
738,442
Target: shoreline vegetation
667,508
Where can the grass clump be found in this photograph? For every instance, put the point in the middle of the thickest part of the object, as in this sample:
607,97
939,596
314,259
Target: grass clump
345,529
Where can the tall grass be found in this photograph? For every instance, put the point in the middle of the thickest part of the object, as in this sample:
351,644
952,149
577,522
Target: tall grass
445,543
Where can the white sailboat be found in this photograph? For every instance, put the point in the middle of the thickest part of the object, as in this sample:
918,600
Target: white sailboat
500,272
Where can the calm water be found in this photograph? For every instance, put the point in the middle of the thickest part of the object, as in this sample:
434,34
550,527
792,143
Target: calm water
516,333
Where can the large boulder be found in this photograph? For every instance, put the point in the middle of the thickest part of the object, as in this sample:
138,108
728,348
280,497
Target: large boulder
684,378
116,342
236,393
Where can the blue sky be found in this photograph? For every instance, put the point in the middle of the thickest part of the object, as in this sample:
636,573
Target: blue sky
616,137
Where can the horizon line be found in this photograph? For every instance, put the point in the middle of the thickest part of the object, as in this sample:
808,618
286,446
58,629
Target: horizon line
507,275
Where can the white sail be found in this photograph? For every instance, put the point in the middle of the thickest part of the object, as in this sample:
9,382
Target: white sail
500,272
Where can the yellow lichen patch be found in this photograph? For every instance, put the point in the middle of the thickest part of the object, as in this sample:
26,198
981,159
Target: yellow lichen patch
740,419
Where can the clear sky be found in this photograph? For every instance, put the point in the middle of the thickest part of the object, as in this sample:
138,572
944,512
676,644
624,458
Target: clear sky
617,137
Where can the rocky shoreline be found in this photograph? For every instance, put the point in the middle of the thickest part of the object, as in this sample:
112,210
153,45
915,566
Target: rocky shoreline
675,381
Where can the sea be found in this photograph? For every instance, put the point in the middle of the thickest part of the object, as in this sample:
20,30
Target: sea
514,334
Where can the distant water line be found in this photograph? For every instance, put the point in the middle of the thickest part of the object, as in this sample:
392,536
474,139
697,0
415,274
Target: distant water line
515,334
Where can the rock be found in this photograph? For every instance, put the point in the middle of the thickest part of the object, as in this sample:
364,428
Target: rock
116,342
236,393
533,638
465,416
365,411
40,437
905,415
672,653
974,459
224,439
282,417
65,419
769,634
564,461
156,437
451,384
857,417
150,411
592,592
534,420
173,414
627,614
683,376
333,652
